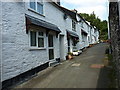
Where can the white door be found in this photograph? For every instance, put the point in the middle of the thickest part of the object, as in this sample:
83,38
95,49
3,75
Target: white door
51,47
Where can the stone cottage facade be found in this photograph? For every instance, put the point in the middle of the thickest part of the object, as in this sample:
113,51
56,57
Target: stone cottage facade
38,34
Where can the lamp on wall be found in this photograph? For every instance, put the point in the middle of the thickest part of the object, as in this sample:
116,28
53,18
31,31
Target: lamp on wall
65,16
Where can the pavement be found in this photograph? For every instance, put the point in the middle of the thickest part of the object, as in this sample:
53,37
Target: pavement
84,71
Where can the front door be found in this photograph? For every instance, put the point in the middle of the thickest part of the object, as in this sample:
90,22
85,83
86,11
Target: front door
51,47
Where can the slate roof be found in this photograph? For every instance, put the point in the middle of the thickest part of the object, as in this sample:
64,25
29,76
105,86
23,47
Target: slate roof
42,23
84,32
72,33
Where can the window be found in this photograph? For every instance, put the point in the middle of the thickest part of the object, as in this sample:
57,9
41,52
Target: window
74,43
82,24
40,39
32,4
37,39
33,38
37,5
40,8
51,54
73,25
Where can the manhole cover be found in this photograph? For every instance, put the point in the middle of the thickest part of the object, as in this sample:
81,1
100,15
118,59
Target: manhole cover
76,65
97,66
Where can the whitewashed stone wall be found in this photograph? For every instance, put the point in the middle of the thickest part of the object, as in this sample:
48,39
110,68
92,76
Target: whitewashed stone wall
16,57
97,35
93,35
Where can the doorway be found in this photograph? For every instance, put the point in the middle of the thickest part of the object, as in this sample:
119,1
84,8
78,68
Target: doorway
51,47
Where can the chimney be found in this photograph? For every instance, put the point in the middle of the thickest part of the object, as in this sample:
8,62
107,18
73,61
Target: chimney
58,2
75,11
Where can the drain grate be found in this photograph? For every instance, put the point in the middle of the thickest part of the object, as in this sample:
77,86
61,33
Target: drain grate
97,66
75,65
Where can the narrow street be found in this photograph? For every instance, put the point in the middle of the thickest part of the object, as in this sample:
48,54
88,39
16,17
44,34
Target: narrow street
84,71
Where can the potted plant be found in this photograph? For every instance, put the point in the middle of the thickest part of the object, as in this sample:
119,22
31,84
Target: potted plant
70,55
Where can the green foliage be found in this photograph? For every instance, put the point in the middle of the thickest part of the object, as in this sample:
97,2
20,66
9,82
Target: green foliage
95,21
69,53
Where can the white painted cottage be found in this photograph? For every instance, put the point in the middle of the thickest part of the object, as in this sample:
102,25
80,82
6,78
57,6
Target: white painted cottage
38,34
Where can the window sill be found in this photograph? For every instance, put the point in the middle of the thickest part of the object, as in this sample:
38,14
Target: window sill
74,30
32,49
35,12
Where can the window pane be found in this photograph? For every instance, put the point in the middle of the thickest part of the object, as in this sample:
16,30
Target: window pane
40,33
32,5
40,42
50,40
74,44
73,25
51,54
33,38
39,8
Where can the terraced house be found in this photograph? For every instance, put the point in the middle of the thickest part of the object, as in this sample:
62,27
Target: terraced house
37,34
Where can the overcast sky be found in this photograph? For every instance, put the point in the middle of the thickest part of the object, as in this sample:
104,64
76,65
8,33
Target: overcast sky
100,7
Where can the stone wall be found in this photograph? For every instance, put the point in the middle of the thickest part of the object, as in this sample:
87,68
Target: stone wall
115,37
16,55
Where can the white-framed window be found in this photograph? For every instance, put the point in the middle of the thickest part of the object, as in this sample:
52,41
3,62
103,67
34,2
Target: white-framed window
36,5
37,39
73,25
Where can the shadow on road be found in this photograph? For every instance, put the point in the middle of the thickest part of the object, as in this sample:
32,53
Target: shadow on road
104,80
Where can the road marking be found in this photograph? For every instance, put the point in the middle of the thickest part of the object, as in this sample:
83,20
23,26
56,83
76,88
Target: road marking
75,65
97,66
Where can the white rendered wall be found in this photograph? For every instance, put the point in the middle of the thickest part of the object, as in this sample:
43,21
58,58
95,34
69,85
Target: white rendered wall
15,52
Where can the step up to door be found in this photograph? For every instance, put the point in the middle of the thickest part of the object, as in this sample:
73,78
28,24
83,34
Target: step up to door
53,64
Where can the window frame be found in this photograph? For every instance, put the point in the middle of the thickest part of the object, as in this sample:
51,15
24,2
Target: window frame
73,25
37,36
36,6
82,24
